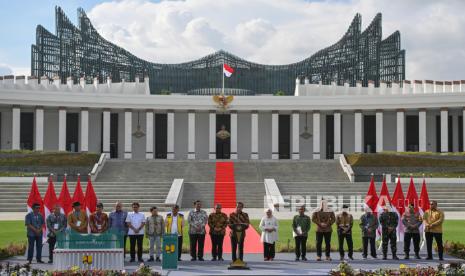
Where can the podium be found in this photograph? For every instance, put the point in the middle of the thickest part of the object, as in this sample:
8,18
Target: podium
89,251
170,252
238,232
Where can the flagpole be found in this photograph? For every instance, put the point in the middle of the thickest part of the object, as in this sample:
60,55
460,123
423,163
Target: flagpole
222,73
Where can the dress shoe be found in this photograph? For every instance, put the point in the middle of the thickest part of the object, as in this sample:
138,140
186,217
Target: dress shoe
328,259
297,259
220,259
318,259
40,262
179,260
50,261
417,256
351,258
201,259
441,259
132,260
395,257
158,259
150,259
304,259
213,259
193,259
384,257
429,258
341,259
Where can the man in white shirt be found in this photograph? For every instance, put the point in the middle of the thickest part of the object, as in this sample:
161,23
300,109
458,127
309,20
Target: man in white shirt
136,223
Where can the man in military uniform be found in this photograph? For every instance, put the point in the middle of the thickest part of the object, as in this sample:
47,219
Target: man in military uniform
344,223
368,225
324,218
238,217
389,221
412,221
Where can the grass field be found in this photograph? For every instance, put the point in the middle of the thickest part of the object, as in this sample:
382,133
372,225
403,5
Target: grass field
15,232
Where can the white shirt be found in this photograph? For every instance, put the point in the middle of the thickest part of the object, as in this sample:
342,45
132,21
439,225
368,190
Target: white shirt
269,223
136,220
174,225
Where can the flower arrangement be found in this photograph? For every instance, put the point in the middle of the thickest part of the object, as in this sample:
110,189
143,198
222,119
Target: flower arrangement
452,269
25,270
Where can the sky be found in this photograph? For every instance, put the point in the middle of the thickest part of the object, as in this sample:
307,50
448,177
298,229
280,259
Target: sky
263,31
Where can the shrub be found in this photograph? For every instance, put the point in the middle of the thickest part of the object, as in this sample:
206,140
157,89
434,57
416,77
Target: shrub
12,250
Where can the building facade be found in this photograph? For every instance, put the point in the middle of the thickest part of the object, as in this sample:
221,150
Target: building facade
319,121
79,51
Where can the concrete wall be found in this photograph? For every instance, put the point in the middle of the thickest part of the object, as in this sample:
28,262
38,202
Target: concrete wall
348,133
264,135
244,134
50,129
201,135
180,135
95,131
390,131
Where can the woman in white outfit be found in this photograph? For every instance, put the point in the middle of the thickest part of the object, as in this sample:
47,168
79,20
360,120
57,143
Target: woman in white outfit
269,228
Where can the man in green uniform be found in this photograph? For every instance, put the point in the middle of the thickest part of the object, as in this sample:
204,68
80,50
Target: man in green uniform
389,221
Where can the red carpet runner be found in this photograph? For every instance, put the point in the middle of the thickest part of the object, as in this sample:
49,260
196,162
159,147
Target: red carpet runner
225,194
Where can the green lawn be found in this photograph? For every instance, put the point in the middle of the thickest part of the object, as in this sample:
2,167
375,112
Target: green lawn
14,232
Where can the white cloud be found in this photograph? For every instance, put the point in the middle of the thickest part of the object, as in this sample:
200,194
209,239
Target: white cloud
5,70
280,32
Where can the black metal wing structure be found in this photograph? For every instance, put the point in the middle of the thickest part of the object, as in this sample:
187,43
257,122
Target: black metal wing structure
75,52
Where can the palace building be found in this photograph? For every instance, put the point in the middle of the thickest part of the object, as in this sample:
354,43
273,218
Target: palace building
88,95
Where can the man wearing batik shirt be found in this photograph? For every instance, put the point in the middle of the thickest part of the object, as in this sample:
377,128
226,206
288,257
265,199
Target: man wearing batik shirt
217,221
98,220
56,223
238,217
324,218
197,219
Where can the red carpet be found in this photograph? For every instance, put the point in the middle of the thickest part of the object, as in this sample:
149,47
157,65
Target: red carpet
225,194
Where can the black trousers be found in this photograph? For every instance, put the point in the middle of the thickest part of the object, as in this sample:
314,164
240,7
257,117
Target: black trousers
416,242
51,245
268,250
179,246
389,238
319,240
429,244
133,239
197,242
37,240
217,245
372,242
300,246
124,245
235,245
350,244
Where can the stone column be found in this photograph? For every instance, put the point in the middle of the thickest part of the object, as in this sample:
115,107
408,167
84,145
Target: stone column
39,129
379,131
149,141
191,135
106,132
212,135
128,134
316,134
400,130
62,129
254,138
16,128
84,130
444,130
337,134
358,130
422,130
274,135
233,135
295,135
170,135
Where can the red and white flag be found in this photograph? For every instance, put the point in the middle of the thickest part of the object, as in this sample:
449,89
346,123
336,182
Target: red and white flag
371,199
65,199
227,70
79,195
50,199
384,199
412,196
91,197
424,205
35,197
398,206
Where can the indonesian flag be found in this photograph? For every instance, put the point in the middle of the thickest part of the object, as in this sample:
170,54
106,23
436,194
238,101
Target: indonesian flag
384,199
79,195
34,197
423,204
371,199
50,199
91,200
412,196
91,197
65,198
227,70
398,206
